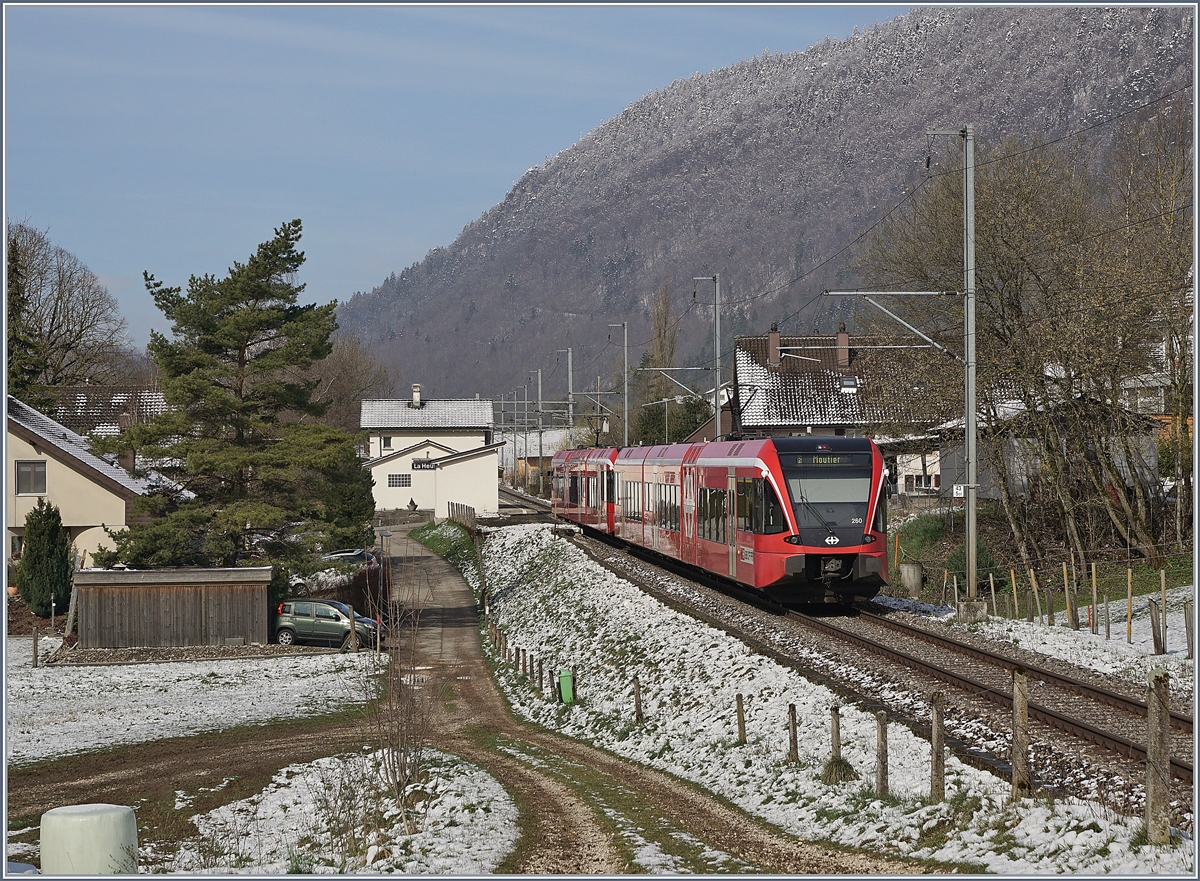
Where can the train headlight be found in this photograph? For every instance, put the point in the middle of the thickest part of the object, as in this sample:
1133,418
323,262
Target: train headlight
793,539
867,539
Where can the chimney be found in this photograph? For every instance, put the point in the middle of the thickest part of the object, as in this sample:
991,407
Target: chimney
773,358
416,401
843,347
126,458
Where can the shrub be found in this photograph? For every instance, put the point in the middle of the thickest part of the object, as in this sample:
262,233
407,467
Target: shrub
985,563
46,563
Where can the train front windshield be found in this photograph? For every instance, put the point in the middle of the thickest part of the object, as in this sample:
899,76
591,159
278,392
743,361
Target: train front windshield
830,490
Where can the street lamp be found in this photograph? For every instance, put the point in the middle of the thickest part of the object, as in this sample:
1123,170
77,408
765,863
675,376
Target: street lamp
716,279
624,325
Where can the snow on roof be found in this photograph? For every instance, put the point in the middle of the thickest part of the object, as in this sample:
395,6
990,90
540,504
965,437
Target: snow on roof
806,386
441,414
75,446
105,411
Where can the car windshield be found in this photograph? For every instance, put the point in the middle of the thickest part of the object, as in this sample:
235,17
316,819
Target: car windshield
341,607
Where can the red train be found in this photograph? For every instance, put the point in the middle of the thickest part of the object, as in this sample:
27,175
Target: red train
803,519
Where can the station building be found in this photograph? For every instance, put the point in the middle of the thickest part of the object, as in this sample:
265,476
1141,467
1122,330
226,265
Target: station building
426,453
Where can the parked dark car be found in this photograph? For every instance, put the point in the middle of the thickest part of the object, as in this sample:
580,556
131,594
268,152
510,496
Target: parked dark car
320,622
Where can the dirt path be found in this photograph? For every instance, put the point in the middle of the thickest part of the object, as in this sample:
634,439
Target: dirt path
555,814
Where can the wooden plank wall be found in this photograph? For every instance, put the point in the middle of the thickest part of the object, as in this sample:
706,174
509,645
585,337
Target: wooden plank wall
171,615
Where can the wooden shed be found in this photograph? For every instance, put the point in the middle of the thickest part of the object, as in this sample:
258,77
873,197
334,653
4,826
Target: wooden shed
124,608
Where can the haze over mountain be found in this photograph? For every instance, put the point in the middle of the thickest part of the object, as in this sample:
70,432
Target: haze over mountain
765,172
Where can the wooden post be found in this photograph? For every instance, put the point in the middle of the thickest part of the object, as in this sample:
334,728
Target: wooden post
793,749
956,591
1158,769
1072,615
945,576
637,700
35,646
69,628
574,685
937,748
1012,576
1129,606
353,632
1188,625
881,761
1029,607
1022,784
1107,620
992,585
835,731
1037,596
1094,617
1162,577
1156,629
541,675
741,720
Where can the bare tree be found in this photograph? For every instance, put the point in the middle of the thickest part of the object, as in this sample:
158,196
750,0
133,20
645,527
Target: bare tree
1063,326
346,377
70,316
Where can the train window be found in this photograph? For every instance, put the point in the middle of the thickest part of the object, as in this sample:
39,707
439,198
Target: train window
770,509
829,496
745,504
631,499
710,514
610,479
573,490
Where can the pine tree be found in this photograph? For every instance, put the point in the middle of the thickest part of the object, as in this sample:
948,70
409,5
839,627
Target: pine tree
259,482
45,568
25,363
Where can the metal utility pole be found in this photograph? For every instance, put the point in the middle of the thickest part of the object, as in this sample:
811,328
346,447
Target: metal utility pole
624,325
570,395
717,357
539,416
525,435
967,133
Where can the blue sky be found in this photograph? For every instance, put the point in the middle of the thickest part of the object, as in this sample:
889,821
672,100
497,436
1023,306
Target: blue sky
175,138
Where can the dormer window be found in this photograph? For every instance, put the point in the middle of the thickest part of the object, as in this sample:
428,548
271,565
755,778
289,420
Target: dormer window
848,385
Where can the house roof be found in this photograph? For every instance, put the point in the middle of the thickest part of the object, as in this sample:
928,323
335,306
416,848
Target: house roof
395,454
449,459
72,449
106,411
805,387
431,414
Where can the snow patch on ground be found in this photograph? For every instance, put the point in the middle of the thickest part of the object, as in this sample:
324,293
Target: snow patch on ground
53,711
560,606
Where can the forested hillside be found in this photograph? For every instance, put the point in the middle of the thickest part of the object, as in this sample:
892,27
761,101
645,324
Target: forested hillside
766,172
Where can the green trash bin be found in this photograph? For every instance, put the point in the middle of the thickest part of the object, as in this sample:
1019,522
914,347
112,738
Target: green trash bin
566,686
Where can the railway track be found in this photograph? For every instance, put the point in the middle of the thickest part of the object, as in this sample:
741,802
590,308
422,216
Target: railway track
1078,710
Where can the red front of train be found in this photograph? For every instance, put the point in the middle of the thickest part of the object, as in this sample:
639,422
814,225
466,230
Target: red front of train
802,518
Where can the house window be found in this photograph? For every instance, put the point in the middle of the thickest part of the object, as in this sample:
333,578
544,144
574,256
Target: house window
387,443
31,478
399,480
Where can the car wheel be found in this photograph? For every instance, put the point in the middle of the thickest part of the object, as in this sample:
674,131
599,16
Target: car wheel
285,637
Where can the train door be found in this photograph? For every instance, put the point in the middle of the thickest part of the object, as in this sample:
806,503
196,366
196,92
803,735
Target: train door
687,541
731,519
655,506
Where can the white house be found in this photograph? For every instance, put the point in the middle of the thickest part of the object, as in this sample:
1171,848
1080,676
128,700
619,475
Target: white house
46,460
431,452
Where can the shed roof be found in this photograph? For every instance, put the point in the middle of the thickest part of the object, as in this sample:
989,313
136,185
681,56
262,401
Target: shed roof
448,413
